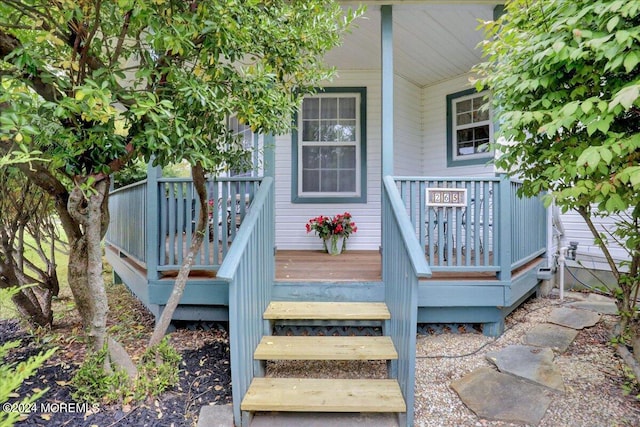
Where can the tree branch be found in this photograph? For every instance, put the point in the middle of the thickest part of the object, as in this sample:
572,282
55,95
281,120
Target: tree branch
584,213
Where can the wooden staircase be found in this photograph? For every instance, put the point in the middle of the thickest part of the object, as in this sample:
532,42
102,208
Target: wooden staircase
325,394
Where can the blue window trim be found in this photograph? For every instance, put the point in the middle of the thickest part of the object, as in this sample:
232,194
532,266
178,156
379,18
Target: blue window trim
362,198
464,162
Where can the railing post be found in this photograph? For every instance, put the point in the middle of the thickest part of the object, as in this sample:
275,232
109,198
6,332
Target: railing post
503,220
152,223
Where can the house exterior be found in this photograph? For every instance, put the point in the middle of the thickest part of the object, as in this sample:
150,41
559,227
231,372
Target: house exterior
399,140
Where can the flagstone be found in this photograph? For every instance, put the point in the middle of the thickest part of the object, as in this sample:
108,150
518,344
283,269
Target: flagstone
529,362
574,318
549,335
496,396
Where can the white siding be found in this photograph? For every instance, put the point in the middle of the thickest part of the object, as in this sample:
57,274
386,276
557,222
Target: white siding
292,217
408,147
435,130
589,254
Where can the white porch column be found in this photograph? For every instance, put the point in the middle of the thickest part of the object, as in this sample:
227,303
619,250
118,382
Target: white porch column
387,89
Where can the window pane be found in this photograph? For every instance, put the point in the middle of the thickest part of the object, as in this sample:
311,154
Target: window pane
329,158
463,119
482,133
328,131
465,135
311,157
311,180
329,181
329,108
311,108
310,130
347,108
478,102
346,131
347,157
347,181
466,148
481,116
463,106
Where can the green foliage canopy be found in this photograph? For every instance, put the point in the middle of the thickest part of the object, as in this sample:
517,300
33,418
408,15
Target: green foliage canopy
565,80
88,82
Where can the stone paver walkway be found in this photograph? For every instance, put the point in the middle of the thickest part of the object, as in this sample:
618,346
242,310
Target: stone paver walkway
522,387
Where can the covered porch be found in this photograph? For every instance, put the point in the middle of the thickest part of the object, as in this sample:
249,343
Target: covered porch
484,252
442,238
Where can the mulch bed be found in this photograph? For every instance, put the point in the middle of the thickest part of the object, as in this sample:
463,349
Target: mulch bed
205,378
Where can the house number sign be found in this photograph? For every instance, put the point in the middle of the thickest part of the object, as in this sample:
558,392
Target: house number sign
448,197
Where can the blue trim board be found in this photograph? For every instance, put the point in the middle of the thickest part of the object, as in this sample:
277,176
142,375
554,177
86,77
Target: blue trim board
328,291
197,292
362,198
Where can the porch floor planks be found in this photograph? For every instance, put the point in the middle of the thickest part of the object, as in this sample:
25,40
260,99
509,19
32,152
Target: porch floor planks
325,348
323,395
353,265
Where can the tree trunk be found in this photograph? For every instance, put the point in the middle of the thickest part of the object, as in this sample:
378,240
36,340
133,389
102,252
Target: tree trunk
98,329
199,183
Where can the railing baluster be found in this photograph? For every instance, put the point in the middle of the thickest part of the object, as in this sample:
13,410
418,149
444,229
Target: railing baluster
470,239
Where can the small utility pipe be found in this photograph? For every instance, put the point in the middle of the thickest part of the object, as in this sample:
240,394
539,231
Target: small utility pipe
561,263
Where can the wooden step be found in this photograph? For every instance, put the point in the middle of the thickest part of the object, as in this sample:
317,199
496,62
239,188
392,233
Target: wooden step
325,348
286,310
323,395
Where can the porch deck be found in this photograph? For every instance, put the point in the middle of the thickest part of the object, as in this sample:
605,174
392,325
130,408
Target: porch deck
351,266
483,254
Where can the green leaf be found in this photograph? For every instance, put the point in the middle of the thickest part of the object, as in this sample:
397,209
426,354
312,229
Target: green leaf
586,106
590,156
615,203
625,97
630,61
606,155
613,22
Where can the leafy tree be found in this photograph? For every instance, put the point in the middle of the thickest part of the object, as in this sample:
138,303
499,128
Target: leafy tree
565,82
93,84
27,226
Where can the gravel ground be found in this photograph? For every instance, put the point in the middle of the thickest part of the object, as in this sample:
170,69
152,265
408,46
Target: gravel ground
594,377
592,372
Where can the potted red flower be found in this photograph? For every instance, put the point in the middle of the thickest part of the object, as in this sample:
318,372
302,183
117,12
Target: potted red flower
334,232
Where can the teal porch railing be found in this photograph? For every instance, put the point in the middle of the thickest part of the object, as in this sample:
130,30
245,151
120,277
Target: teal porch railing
152,221
491,230
249,267
128,219
403,263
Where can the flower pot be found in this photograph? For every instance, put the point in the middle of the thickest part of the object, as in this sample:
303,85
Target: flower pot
334,245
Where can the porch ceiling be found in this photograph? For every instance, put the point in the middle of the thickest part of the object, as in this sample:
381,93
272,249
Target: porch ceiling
432,42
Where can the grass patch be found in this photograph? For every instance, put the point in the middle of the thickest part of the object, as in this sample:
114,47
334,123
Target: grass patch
61,302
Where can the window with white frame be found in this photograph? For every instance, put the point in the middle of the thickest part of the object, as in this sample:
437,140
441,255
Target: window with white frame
246,138
330,145
469,128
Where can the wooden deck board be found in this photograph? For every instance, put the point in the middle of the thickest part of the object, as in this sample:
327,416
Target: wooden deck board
323,395
286,310
325,348
363,266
